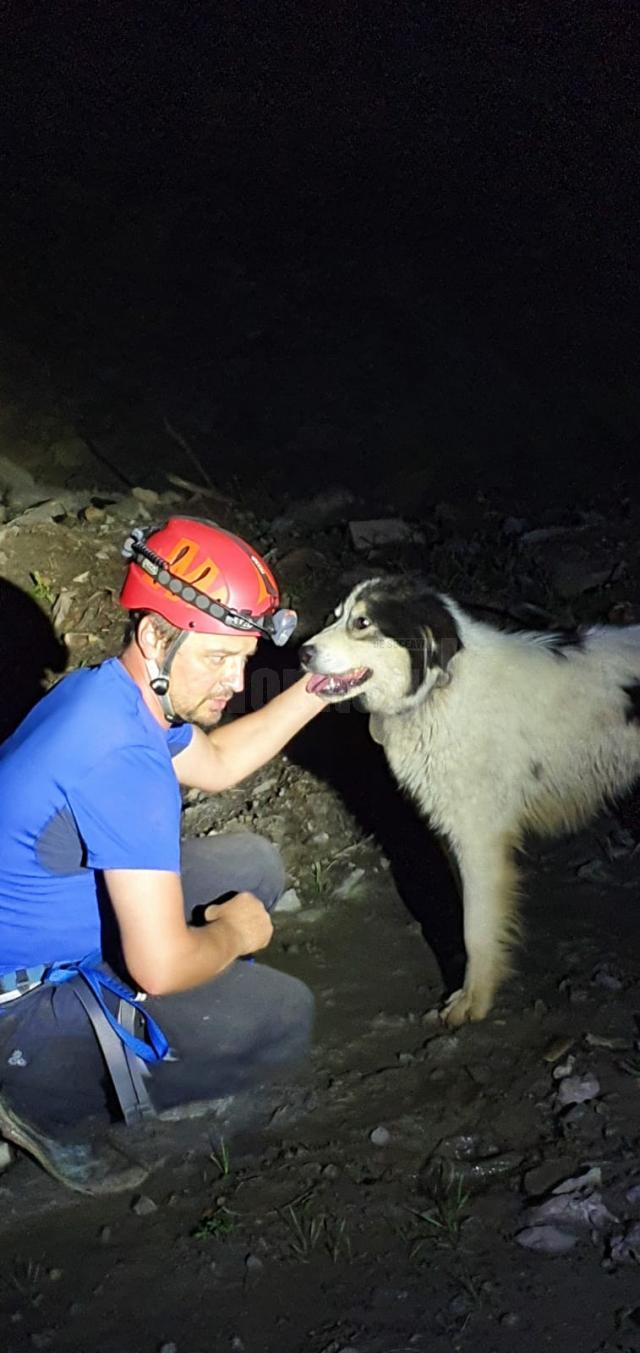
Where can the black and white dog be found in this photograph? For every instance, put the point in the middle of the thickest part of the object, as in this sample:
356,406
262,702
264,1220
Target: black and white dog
494,734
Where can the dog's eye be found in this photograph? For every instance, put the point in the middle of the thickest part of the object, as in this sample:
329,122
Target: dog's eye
361,622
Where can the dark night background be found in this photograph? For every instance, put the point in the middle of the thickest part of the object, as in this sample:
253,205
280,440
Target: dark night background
383,245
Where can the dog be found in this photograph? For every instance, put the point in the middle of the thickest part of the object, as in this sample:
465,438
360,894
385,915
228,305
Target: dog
493,733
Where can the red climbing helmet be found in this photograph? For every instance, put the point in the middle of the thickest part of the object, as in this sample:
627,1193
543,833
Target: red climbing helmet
200,577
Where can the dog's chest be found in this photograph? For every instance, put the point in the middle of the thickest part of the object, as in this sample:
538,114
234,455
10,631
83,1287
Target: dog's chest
413,755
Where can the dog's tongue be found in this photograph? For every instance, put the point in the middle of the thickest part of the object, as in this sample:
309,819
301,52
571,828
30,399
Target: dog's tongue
335,683
316,683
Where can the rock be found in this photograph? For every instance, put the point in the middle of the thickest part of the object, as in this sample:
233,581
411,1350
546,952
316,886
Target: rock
61,607
14,476
591,1178
633,1194
544,1176
92,515
605,976
546,1240
149,497
298,565
367,535
578,1090
510,1319
573,1212
330,508
571,578
611,1044
71,453
557,1048
474,1160
288,902
564,1069
514,526
51,510
349,884
380,1136
143,1206
625,1248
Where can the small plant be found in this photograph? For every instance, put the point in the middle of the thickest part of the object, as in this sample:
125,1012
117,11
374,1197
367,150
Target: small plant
442,1223
216,1225
310,1229
337,1239
222,1159
26,1279
306,1230
41,588
319,875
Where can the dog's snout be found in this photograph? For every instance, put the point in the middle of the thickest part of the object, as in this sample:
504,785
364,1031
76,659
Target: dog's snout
307,654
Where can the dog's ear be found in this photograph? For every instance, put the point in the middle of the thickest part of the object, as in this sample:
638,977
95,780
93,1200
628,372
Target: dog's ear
441,646
419,621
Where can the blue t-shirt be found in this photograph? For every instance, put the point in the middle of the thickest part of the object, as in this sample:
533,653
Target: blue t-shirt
86,784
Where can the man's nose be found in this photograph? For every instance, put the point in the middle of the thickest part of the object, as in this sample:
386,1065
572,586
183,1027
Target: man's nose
235,676
307,654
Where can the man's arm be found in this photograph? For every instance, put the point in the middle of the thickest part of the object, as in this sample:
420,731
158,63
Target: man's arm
217,760
162,953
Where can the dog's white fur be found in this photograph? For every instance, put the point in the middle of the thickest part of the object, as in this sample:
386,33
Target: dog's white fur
505,734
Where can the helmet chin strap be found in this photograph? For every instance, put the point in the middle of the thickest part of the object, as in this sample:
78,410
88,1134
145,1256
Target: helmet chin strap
159,678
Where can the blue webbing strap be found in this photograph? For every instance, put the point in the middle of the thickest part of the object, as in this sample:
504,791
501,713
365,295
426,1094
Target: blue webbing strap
156,1048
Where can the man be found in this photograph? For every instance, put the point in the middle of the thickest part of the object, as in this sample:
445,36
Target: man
97,903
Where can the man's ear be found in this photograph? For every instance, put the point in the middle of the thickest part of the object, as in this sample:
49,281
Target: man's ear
149,640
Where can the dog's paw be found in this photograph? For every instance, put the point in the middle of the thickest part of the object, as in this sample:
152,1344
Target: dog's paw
463,1007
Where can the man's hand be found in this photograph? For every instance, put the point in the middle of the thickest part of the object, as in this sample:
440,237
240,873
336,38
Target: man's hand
246,919
162,953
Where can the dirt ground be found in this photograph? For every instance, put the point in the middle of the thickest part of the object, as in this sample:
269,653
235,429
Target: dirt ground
375,1203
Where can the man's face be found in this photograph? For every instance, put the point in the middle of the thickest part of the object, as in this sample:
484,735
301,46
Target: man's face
206,671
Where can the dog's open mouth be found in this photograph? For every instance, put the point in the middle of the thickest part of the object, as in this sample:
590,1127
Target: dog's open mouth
338,683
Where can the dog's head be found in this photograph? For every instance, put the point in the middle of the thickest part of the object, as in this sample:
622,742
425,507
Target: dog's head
391,643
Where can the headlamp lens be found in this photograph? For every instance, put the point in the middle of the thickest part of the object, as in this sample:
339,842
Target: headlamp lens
282,626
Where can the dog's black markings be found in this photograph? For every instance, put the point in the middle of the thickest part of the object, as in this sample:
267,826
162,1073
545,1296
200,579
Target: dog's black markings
562,642
404,612
633,708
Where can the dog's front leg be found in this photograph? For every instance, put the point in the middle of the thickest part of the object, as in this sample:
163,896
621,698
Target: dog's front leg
489,883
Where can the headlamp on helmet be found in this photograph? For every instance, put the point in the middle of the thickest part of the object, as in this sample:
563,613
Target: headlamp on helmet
232,565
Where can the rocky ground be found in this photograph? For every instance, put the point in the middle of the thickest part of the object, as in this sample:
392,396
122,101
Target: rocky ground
414,1190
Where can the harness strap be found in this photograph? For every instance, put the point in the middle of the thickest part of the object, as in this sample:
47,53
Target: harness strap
95,979
124,1053
115,1056
136,1068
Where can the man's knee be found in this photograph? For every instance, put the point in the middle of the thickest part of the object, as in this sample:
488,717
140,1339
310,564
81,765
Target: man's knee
289,1025
269,870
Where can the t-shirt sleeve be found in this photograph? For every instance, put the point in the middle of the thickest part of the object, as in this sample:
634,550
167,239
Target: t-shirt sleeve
179,737
127,810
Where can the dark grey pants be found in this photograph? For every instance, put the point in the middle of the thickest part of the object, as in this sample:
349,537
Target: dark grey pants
224,1037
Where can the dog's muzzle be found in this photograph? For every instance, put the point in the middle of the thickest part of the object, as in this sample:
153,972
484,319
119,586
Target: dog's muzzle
331,683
